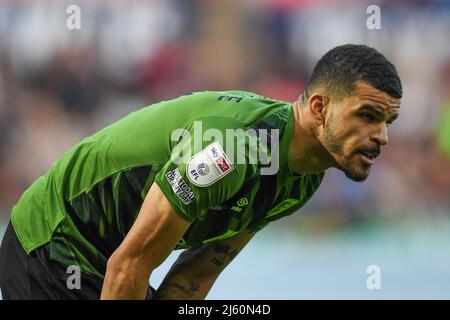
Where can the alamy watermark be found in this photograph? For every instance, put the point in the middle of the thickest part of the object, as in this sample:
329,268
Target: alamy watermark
74,279
73,21
374,280
374,20
251,146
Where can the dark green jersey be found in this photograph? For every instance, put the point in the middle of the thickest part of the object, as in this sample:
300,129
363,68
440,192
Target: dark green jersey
88,200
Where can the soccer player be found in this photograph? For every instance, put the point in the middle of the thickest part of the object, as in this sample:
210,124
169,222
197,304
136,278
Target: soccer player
165,177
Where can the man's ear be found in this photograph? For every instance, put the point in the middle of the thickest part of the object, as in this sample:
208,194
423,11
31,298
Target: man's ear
318,104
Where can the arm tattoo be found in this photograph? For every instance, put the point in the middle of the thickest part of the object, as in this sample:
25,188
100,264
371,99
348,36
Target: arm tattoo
222,254
175,290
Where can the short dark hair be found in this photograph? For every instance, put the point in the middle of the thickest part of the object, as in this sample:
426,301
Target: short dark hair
339,69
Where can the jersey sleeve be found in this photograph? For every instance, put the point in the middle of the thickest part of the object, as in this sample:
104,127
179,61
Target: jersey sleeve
201,175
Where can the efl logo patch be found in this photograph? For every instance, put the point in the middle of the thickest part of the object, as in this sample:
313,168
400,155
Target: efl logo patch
179,186
208,166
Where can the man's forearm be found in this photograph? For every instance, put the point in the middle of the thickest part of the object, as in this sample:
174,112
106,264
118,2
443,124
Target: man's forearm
196,269
123,287
123,281
192,275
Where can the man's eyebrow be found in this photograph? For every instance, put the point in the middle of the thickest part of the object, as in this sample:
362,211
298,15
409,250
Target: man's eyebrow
393,118
372,108
378,110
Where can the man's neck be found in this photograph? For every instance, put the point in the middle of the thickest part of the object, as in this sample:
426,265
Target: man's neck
307,155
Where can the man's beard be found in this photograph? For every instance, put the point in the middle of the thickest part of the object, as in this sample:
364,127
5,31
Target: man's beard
337,150
354,176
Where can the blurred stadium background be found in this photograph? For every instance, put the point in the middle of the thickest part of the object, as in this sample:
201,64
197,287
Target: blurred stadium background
59,85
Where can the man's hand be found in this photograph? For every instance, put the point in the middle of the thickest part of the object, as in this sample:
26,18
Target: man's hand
153,236
196,269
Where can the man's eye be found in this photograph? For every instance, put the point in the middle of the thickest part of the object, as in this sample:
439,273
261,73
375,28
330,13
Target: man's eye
367,117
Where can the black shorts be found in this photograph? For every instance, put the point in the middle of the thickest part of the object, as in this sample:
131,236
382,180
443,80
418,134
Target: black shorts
35,276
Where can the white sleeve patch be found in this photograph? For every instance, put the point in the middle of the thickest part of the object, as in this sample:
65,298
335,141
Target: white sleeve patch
179,186
208,166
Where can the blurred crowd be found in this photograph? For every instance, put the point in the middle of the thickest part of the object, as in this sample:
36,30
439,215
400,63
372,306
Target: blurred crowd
59,85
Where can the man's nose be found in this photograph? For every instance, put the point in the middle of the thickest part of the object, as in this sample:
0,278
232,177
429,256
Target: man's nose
381,136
